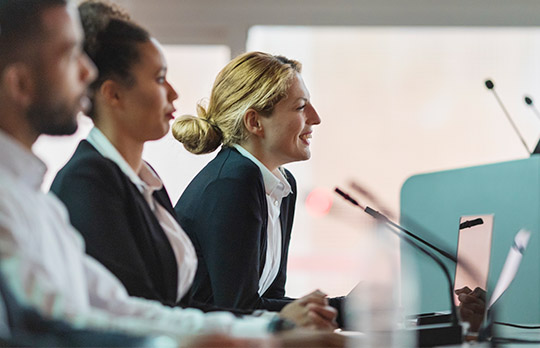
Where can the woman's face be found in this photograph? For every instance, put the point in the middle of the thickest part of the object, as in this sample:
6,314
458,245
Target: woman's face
287,131
149,102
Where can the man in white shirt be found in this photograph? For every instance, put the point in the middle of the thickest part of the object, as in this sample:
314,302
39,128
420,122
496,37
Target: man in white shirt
43,78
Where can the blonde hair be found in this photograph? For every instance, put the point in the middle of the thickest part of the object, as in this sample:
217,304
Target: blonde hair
253,80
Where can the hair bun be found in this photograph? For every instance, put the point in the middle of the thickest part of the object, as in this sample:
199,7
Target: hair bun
95,16
198,135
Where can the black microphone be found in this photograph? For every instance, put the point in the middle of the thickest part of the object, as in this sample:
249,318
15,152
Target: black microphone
430,336
383,218
471,223
528,100
530,103
491,87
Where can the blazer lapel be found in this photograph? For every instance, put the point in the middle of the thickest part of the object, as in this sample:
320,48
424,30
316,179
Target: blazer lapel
158,251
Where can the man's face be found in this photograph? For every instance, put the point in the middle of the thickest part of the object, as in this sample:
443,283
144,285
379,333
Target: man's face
62,72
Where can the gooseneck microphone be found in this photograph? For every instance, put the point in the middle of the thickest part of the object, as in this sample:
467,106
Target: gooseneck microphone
491,87
528,100
384,219
433,336
398,230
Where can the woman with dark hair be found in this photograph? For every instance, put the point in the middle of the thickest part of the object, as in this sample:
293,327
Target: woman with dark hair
114,198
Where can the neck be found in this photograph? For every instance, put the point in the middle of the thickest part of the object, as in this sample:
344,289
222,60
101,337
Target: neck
27,139
259,153
130,149
15,125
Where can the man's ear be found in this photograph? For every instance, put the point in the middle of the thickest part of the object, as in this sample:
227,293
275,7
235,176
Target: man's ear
19,84
252,122
110,92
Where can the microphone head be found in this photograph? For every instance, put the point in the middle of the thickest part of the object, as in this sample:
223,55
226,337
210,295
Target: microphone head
489,84
528,100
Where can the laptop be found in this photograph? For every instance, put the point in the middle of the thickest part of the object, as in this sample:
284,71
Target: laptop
473,255
473,252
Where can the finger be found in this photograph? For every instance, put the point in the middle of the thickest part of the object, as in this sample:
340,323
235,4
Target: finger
320,322
469,299
480,293
314,298
463,290
320,293
327,312
477,308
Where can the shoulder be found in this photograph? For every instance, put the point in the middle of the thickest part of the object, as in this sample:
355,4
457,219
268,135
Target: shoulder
231,163
87,164
231,168
227,178
85,156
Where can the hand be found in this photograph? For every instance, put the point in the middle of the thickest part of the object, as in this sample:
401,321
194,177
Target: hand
299,338
472,306
220,340
311,311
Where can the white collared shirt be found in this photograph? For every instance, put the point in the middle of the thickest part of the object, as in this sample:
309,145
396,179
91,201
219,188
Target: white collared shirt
277,188
148,182
42,257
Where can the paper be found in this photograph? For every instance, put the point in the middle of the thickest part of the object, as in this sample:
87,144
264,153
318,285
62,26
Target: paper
511,265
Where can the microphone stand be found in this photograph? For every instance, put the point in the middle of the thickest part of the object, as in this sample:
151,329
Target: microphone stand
428,336
528,100
489,85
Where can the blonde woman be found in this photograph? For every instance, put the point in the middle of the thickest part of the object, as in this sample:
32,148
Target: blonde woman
239,209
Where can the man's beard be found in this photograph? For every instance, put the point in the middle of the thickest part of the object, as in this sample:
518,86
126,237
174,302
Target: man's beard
52,117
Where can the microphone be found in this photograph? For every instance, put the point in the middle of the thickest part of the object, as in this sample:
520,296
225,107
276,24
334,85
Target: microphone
470,223
367,194
530,103
427,337
528,100
491,87
384,219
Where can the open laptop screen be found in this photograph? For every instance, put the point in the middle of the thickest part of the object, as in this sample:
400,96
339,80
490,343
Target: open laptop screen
473,252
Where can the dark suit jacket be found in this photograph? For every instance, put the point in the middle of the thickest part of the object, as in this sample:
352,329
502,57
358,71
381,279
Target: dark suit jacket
118,226
224,211
120,229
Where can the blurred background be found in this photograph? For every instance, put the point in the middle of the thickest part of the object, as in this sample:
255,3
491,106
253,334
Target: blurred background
399,86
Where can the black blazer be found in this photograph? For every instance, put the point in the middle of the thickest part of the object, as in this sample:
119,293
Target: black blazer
224,211
118,226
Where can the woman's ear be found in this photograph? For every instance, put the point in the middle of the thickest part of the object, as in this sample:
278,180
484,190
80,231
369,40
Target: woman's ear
252,122
109,90
18,82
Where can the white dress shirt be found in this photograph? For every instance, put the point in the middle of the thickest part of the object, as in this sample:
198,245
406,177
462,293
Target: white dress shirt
147,183
42,257
277,188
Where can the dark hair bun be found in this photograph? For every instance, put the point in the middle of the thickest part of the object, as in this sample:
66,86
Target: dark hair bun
111,40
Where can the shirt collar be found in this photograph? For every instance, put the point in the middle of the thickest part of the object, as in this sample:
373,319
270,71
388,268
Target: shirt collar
20,162
275,186
146,179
